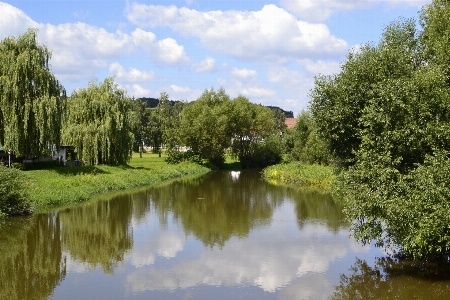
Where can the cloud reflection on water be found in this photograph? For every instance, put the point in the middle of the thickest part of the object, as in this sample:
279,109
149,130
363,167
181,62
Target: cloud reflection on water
269,259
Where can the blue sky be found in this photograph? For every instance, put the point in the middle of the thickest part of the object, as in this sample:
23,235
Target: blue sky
268,51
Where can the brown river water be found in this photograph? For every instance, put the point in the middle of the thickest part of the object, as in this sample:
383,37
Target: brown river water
223,235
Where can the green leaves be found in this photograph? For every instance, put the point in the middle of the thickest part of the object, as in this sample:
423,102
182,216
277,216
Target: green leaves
99,124
386,119
32,101
13,198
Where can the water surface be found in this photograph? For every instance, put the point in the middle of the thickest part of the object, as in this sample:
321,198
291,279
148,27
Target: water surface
224,235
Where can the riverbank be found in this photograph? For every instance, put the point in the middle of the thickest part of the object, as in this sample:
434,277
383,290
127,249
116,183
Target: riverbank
68,185
300,175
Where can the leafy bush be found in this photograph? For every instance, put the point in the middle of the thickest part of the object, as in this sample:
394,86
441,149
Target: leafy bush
18,166
263,154
175,156
13,197
408,213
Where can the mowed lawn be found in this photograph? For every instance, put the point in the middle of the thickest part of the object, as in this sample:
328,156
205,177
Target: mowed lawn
67,185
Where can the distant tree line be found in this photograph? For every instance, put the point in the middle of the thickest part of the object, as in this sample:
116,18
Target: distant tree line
103,125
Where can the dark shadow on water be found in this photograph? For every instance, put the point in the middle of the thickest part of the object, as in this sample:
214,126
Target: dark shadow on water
394,279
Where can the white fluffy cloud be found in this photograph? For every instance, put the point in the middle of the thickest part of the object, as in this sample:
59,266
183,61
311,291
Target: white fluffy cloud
80,50
319,66
166,50
133,75
206,65
258,92
136,90
295,86
270,32
320,10
13,21
181,92
244,73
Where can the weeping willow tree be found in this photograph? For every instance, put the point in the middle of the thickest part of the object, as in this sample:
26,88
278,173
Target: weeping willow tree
31,99
99,124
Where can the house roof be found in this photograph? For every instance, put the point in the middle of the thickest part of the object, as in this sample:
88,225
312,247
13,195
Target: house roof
290,122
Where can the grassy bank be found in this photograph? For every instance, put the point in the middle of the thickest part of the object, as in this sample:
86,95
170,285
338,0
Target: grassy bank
310,176
67,185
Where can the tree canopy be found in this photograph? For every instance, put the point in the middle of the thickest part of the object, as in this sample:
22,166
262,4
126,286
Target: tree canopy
214,123
99,123
385,118
32,101
204,125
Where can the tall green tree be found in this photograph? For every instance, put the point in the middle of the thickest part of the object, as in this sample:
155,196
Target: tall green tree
392,136
302,142
251,127
162,119
32,100
339,101
99,123
141,120
204,126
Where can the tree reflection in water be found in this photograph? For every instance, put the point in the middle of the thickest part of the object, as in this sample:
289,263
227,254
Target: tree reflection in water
31,261
98,233
213,214
395,279
313,205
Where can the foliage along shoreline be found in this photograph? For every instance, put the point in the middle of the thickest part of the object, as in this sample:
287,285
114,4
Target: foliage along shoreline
64,186
385,120
315,177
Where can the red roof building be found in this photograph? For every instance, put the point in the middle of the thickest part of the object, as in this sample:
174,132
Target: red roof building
290,122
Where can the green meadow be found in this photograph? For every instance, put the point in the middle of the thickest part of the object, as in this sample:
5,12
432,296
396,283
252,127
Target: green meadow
68,185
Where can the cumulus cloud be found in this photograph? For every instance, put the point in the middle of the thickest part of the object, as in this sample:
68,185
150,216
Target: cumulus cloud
270,32
319,66
133,75
295,86
284,76
320,10
243,73
137,91
258,92
13,21
181,92
206,65
80,50
166,50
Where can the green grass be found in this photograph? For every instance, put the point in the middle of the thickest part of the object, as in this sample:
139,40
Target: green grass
68,185
300,175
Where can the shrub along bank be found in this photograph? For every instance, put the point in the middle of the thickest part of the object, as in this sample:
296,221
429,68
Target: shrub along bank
66,185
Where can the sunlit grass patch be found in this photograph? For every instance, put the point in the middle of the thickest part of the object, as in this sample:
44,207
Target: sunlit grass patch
65,185
300,175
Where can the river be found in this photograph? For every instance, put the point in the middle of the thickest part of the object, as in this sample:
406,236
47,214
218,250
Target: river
223,235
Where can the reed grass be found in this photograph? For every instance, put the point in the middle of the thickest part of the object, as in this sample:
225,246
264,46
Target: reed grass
300,175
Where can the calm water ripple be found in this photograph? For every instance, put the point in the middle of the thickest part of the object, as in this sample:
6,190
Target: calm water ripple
225,235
